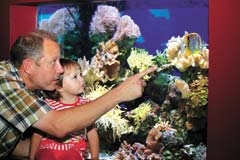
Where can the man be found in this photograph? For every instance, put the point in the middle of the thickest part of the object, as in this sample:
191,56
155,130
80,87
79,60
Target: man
34,66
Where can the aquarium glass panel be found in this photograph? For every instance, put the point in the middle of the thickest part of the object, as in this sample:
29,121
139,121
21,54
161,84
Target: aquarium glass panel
113,40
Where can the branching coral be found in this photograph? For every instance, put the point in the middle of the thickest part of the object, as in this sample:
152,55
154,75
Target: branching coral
163,126
160,59
93,92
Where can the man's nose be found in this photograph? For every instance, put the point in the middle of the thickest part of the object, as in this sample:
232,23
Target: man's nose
60,69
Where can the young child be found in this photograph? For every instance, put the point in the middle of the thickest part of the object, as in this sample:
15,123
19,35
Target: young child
74,146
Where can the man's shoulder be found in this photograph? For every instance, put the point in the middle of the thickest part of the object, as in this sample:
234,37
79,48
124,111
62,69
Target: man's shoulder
7,67
9,73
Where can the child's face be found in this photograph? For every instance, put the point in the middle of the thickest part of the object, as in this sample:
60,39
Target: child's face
73,82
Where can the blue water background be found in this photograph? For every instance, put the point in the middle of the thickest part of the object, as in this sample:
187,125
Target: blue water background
158,20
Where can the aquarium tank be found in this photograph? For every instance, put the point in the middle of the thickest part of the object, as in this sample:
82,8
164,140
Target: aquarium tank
112,40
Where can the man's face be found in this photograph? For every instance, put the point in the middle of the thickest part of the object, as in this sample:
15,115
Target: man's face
48,68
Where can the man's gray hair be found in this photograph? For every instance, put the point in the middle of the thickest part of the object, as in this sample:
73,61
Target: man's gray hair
29,46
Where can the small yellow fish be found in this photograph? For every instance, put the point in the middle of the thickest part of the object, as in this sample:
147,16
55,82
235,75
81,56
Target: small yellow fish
192,43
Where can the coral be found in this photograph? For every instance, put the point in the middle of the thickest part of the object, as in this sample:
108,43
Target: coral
160,59
196,106
157,87
112,120
140,60
107,24
197,152
89,73
61,21
104,65
93,92
126,28
183,87
135,151
105,19
171,114
199,92
169,121
140,113
187,51
105,60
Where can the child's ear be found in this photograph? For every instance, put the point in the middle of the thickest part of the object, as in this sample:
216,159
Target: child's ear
59,89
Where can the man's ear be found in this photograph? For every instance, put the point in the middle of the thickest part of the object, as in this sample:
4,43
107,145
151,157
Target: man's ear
28,65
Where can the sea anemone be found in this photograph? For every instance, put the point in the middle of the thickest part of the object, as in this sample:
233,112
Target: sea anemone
112,120
140,113
140,60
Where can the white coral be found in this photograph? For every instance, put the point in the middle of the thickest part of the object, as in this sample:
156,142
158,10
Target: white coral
105,19
60,21
126,28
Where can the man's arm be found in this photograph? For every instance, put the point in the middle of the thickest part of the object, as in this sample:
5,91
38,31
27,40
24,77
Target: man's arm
60,123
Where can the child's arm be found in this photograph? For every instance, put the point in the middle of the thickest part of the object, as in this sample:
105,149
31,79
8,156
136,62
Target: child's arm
34,144
93,141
